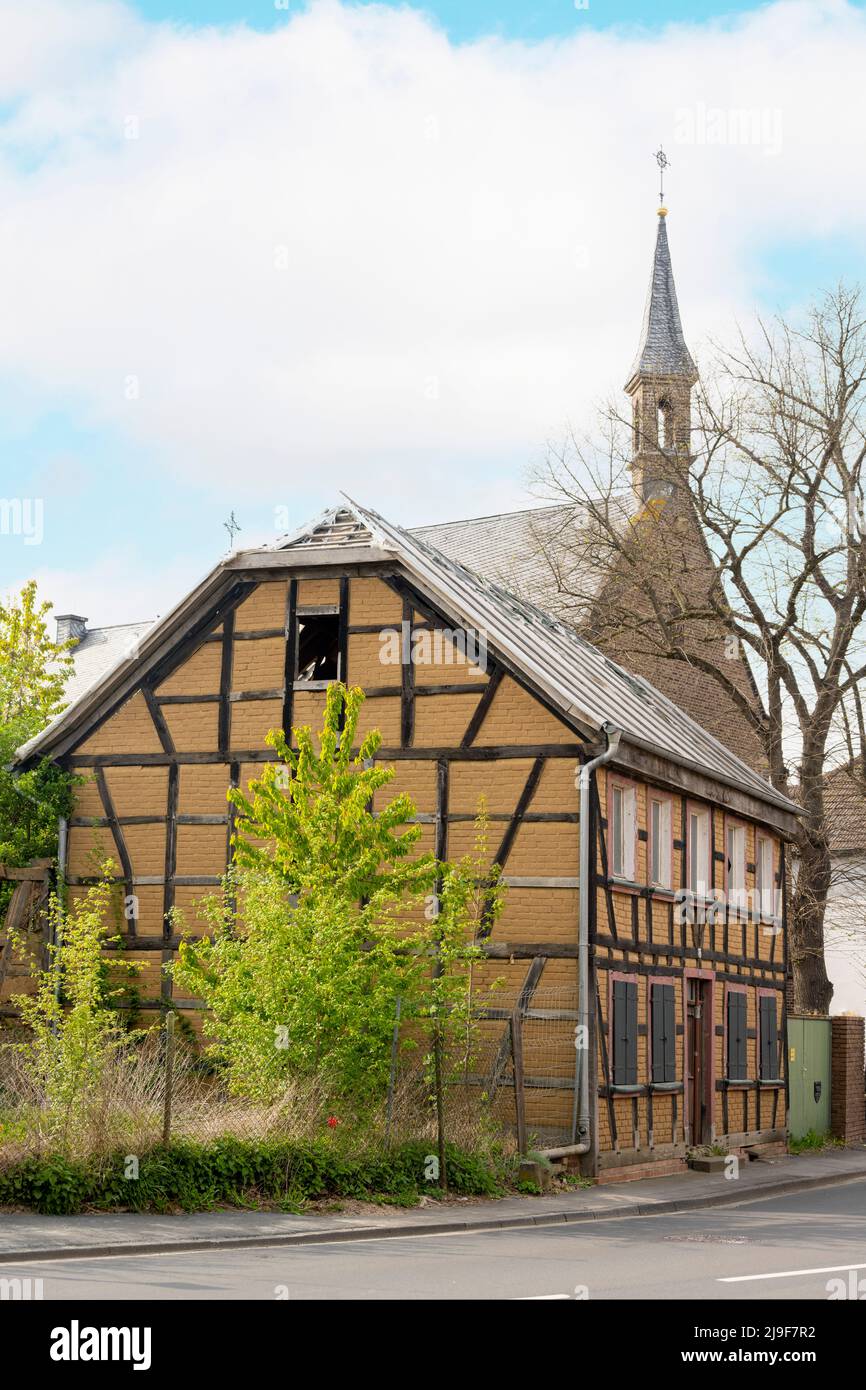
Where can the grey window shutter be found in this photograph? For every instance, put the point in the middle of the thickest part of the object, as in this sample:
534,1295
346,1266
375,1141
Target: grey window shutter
670,1034
624,1033
737,1037
769,1038
664,1032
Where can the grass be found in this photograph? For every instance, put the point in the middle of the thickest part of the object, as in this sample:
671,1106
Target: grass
812,1142
124,1109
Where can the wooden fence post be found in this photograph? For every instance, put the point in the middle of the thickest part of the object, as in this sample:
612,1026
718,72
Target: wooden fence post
169,1077
519,1091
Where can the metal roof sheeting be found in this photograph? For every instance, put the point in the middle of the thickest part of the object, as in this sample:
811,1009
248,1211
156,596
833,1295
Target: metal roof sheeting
581,681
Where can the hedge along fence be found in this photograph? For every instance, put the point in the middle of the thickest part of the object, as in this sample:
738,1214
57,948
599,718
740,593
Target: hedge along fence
228,1171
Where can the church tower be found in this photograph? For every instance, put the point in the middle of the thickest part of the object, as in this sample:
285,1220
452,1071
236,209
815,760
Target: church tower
660,384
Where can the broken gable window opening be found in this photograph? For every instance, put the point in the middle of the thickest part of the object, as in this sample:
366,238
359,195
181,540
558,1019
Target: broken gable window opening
317,647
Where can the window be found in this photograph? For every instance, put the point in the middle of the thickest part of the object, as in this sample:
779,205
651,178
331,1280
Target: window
699,851
735,1027
735,863
624,1031
765,878
317,638
661,873
623,829
663,1033
768,1033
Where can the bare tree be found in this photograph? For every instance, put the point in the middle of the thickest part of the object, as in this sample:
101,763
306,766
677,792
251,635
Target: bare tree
748,541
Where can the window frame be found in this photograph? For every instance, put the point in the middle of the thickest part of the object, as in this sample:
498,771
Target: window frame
700,809
317,610
666,802
629,788
761,839
742,903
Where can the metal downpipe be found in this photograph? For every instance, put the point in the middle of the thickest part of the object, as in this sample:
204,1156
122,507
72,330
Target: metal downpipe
581,1138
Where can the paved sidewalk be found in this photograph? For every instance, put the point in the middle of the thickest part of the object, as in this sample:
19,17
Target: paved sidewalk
29,1236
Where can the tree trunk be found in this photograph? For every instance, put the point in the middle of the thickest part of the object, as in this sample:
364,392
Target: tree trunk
812,989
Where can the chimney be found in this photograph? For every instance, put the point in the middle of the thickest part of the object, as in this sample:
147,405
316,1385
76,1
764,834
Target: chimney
70,626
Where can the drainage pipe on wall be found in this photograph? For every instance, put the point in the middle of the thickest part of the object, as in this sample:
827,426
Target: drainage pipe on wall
580,1122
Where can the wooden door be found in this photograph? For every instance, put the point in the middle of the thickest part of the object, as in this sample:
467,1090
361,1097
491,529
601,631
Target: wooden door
698,1022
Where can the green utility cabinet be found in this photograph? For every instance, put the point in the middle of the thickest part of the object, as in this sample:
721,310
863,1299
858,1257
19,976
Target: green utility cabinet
808,1075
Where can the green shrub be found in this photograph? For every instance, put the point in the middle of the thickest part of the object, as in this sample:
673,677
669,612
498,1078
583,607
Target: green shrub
198,1177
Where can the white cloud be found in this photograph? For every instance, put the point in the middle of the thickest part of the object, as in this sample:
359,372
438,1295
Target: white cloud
107,590
352,254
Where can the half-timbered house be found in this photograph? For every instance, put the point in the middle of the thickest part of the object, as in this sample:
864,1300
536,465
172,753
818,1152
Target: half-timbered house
642,944
475,692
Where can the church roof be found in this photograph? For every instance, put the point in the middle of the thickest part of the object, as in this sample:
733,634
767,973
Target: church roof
662,350
544,554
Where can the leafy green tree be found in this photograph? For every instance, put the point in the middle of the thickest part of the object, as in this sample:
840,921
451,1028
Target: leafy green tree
33,669
329,917
313,937
33,673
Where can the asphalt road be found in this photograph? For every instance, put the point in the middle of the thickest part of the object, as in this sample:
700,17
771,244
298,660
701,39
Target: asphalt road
776,1248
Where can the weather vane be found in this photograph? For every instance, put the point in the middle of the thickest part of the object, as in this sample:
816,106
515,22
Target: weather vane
663,162
233,527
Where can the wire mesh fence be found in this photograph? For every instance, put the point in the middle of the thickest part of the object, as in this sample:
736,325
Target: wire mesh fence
513,1073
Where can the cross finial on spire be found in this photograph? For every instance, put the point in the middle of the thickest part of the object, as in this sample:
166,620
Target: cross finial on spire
663,162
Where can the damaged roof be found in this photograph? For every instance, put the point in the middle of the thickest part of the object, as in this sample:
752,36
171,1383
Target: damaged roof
582,684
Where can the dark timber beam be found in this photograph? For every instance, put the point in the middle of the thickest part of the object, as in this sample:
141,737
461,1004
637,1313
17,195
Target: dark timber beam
123,853
473,728
291,660
384,755
156,714
227,657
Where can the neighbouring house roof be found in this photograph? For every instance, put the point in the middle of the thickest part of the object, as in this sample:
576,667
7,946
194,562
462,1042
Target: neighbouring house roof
662,350
845,810
577,679
98,651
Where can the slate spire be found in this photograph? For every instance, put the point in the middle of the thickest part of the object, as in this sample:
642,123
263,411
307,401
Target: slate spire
662,350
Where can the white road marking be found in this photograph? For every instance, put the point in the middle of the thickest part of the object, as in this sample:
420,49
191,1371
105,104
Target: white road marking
788,1273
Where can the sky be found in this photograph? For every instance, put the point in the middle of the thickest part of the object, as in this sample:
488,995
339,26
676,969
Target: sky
252,255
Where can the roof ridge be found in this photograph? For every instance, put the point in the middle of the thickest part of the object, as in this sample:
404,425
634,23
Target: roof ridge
493,516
